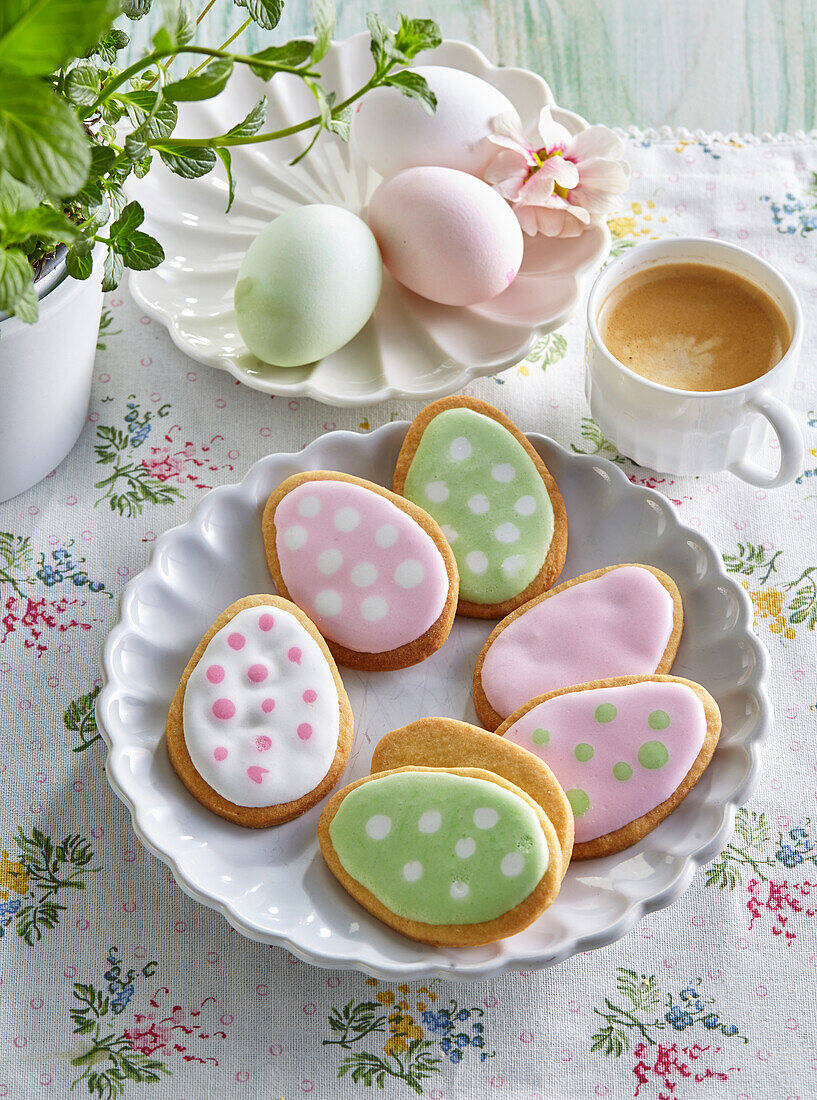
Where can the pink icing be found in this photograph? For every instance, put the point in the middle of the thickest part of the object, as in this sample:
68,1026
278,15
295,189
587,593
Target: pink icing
256,773
339,547
257,673
304,731
215,674
263,743
295,655
220,753
268,705
224,708
236,641
310,696
266,622
553,730
617,624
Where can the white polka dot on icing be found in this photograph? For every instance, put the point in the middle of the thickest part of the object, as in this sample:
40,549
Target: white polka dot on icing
479,504
413,870
512,864
430,821
460,448
459,890
295,537
378,826
374,608
328,602
347,519
511,564
386,536
504,472
525,506
437,491
449,532
485,817
465,847
309,507
507,532
364,574
329,561
476,561
409,573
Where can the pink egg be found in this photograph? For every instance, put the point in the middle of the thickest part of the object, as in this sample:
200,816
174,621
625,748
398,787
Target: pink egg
446,235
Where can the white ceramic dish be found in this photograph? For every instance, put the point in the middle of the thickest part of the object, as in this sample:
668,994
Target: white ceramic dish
411,348
272,885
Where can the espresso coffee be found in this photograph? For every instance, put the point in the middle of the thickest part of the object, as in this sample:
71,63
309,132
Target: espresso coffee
693,327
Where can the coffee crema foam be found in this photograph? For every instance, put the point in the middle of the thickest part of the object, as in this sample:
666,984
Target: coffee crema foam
693,326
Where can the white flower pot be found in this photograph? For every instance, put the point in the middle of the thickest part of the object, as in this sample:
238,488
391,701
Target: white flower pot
45,380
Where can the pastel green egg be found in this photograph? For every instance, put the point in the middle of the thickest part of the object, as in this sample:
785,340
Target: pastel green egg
440,848
307,285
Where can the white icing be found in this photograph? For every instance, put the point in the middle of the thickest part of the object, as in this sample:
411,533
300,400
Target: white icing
329,561
503,473
485,817
347,519
430,821
279,735
363,574
374,608
465,847
459,890
511,564
413,870
309,507
386,536
512,864
449,532
525,506
507,532
378,827
295,537
437,491
328,602
476,561
479,504
409,573
460,448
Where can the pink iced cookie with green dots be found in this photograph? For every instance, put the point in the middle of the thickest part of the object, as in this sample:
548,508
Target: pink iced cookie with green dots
260,727
626,751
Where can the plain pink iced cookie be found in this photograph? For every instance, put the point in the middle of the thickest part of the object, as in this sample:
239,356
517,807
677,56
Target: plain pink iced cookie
365,572
617,751
261,712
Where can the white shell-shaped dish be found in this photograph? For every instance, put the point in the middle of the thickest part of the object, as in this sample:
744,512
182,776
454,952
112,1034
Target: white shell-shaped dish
272,885
411,348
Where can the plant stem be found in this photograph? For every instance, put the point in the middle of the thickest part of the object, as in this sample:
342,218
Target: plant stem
223,45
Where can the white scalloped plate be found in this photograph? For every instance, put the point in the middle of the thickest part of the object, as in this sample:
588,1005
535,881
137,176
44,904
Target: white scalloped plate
411,347
272,885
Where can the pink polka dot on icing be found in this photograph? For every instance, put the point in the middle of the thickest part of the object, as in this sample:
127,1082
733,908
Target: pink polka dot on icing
257,673
256,774
265,622
295,655
304,731
215,674
263,743
268,705
224,708
220,753
236,641
310,696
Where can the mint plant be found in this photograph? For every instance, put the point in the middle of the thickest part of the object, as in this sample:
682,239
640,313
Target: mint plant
74,125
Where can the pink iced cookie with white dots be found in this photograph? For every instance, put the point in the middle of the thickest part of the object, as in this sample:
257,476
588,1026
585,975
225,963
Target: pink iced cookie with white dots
260,727
626,751
373,571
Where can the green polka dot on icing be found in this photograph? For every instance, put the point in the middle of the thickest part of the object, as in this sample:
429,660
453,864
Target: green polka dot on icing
579,801
622,771
480,484
583,752
605,712
540,736
652,755
658,720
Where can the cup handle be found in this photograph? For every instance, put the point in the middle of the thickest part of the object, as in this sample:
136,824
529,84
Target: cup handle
789,436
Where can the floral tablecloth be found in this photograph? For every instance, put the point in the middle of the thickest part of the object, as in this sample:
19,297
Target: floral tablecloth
113,981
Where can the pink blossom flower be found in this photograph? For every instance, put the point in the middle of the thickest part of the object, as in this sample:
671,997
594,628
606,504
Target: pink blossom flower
558,183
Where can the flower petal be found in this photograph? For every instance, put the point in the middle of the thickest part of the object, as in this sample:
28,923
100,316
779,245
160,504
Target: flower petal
552,133
596,141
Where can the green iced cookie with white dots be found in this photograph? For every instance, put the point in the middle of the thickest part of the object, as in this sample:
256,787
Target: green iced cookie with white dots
455,857
470,467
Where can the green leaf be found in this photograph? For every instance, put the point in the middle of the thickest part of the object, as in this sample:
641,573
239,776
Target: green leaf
82,84
17,295
414,86
252,123
109,45
266,13
112,271
340,124
78,266
189,161
291,54
227,160
415,35
177,24
323,17
203,86
15,195
136,9
157,120
39,36
130,219
44,222
139,251
380,36
42,142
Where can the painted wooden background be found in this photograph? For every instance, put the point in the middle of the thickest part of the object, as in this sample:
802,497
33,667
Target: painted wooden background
745,65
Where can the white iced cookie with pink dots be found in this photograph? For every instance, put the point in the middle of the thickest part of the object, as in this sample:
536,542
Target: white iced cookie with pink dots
373,571
260,727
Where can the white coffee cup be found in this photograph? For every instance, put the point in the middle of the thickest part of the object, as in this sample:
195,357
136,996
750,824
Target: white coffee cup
685,432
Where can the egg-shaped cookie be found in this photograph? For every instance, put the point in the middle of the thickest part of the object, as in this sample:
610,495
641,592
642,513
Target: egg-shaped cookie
455,856
449,743
627,751
471,468
623,620
373,571
260,727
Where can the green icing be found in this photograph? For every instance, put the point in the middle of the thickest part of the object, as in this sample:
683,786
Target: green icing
658,720
605,712
652,755
583,752
440,848
579,801
540,736
481,486
622,771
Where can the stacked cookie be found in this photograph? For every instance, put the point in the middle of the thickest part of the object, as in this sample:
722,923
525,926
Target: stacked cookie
459,836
